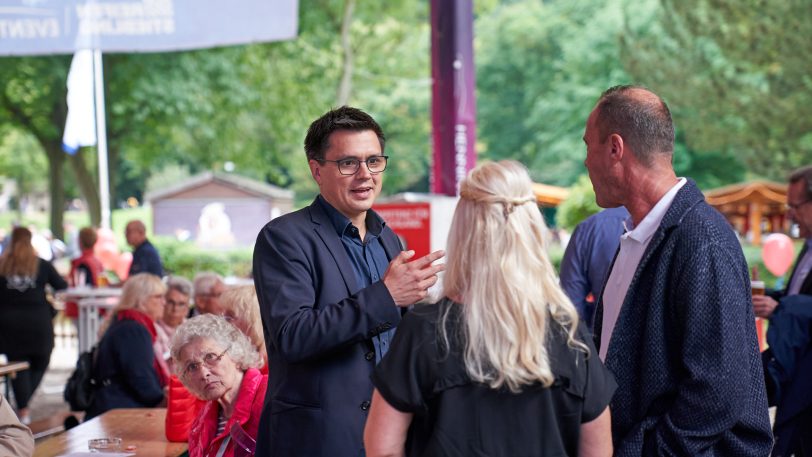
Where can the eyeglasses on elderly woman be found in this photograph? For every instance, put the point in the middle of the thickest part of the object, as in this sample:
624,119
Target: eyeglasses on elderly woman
211,360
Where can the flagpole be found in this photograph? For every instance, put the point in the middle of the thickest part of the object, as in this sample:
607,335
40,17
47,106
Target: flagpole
101,137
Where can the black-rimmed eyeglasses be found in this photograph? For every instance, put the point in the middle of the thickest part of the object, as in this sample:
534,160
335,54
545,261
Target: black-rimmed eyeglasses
350,165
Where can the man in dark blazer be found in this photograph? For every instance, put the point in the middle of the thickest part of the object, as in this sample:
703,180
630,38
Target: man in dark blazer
674,322
332,283
788,361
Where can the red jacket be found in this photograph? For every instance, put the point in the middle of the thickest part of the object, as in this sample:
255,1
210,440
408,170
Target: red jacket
89,261
247,410
181,410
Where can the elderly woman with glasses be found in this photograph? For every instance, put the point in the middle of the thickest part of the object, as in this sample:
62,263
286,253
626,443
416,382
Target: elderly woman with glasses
178,296
130,374
218,364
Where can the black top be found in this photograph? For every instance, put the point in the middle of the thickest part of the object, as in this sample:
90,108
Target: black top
454,416
125,363
26,325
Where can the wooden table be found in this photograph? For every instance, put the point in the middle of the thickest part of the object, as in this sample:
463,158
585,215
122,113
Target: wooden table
9,370
141,427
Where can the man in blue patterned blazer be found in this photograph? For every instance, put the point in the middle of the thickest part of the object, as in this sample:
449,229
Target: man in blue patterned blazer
675,322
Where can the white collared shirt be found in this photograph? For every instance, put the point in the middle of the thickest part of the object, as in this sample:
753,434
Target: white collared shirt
633,245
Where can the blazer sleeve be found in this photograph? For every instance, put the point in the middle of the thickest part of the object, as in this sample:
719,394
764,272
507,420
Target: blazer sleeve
716,324
289,282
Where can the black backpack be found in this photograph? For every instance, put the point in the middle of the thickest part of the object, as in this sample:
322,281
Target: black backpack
82,385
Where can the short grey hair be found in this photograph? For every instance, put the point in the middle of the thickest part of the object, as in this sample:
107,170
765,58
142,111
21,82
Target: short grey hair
180,284
219,330
640,117
205,281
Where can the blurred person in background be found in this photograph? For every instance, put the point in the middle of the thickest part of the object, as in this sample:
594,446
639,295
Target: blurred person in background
85,270
241,308
145,257
501,366
219,365
587,258
208,287
130,373
26,315
178,295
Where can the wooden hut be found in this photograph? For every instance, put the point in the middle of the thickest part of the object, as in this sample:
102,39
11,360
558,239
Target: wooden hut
217,210
754,207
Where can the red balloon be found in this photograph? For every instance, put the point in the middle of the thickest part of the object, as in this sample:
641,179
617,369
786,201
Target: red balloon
778,253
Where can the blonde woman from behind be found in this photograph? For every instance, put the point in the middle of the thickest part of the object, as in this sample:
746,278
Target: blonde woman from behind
500,366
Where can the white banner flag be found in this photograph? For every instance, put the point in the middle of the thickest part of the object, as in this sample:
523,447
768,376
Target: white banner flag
80,126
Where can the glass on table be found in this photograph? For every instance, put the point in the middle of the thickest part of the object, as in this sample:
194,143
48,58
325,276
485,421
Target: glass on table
104,445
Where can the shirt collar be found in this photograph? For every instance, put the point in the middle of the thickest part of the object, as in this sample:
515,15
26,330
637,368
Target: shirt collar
341,223
643,231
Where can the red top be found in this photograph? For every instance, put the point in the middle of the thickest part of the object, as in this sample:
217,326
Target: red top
89,261
247,411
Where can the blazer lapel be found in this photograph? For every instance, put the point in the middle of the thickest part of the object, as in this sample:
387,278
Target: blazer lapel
325,230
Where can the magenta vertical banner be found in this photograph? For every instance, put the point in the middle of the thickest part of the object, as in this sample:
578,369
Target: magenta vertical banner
453,108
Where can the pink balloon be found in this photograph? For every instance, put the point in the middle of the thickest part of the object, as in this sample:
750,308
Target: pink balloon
778,253
123,263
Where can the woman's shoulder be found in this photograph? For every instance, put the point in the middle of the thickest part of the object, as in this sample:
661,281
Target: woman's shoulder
426,316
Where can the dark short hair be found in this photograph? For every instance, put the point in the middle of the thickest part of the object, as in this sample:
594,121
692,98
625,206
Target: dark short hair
87,237
345,118
644,123
803,174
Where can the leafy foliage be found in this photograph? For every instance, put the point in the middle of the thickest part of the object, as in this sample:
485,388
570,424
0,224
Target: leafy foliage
737,75
578,206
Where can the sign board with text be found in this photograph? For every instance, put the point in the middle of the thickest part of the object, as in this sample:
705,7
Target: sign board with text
30,27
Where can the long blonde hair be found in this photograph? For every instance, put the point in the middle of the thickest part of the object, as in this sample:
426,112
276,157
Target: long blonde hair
243,302
497,266
134,294
20,258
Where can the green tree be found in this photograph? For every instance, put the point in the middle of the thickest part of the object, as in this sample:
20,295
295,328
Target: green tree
736,74
540,68
579,205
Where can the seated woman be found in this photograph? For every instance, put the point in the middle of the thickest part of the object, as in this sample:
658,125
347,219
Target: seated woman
178,295
127,367
241,308
218,364
501,366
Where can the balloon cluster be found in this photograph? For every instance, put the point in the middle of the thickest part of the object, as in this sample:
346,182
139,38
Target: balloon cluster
106,250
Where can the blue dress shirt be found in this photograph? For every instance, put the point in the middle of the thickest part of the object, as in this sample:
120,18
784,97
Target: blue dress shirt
589,254
368,259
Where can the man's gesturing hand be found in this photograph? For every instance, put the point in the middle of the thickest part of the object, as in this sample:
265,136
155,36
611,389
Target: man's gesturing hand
408,282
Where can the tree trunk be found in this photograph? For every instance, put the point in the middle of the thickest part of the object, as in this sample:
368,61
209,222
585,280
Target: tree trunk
56,185
348,64
87,184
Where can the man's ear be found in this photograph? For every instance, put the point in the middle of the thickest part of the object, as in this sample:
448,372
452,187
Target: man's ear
617,145
315,170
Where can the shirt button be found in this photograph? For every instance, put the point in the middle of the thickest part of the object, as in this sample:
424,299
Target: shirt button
364,405
369,355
